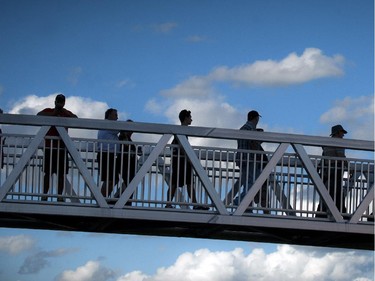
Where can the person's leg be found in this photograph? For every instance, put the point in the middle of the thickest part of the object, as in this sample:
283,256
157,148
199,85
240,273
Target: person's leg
264,198
170,195
47,172
62,160
340,199
191,193
261,197
109,175
241,182
46,179
322,207
247,178
175,179
126,165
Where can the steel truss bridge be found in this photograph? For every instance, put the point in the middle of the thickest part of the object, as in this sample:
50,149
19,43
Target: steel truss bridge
290,185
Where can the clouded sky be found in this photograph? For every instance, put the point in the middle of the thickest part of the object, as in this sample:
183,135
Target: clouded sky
305,65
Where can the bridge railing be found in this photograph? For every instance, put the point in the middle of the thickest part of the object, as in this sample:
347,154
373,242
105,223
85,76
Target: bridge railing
292,182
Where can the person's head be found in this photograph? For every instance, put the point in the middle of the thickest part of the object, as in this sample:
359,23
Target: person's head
126,134
111,114
1,111
253,116
338,131
185,117
59,101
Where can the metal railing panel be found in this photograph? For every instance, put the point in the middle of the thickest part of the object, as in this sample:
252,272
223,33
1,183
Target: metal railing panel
292,185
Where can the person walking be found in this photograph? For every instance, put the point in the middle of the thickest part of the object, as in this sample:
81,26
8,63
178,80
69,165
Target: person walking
250,164
182,171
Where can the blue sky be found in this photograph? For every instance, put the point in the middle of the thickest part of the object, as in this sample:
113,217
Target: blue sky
304,65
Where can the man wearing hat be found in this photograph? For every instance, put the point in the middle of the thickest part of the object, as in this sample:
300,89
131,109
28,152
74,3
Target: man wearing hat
55,154
333,171
250,164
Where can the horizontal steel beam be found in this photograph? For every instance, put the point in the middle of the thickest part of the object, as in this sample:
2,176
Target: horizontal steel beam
203,132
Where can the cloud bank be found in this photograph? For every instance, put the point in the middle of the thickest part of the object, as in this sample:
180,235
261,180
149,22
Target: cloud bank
91,271
286,263
291,70
33,104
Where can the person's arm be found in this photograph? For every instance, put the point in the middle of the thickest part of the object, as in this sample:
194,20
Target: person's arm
68,113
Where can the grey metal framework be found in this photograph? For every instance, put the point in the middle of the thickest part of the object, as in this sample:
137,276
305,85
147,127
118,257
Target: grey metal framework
289,202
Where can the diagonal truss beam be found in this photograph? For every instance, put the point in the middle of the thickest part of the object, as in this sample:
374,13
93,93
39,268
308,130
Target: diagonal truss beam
25,158
143,171
202,174
253,190
82,167
363,206
316,179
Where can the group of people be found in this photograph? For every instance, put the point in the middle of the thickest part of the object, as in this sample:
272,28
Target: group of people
118,162
251,165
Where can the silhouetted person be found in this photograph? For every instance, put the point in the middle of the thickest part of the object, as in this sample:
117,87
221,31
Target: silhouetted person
182,171
55,153
107,155
332,171
127,159
250,164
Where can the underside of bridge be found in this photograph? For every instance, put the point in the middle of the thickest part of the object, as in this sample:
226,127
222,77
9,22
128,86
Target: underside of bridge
254,229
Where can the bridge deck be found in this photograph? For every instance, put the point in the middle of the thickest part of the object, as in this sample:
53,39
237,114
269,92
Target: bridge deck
292,198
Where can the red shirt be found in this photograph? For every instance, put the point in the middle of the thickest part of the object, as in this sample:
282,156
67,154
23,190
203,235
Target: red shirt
53,131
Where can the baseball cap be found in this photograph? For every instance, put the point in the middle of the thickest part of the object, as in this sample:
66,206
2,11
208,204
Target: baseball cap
252,114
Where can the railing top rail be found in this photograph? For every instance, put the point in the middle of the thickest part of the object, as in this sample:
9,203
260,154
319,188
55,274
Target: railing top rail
202,132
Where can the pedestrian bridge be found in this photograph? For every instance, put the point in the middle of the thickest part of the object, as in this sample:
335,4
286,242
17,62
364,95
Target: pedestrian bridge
284,205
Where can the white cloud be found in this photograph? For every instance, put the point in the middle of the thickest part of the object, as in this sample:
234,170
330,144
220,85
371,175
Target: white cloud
133,276
91,271
33,104
196,86
164,27
216,112
287,263
124,83
154,106
16,244
293,69
355,114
